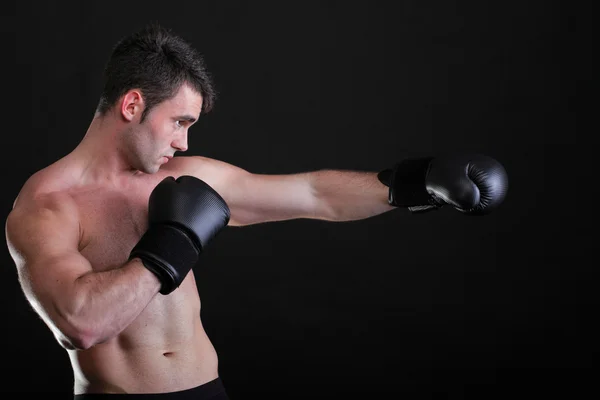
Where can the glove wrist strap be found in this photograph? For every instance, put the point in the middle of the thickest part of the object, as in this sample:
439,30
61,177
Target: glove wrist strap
168,252
406,181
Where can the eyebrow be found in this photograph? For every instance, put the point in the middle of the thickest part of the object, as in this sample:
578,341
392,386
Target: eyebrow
188,118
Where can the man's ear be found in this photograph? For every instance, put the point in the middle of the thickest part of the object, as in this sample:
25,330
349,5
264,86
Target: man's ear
132,104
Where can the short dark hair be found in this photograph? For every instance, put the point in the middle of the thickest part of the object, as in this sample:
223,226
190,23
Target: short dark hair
158,62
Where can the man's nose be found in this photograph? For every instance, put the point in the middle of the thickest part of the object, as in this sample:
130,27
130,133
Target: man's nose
180,143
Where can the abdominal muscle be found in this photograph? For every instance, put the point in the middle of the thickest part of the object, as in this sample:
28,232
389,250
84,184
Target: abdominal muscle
165,349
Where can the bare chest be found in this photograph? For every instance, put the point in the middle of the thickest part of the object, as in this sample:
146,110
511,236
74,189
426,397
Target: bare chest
112,222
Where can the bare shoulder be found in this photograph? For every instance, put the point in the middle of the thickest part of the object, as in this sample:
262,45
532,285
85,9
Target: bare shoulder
217,173
31,211
199,165
41,209
53,180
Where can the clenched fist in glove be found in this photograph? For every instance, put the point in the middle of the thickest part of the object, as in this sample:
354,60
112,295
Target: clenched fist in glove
472,183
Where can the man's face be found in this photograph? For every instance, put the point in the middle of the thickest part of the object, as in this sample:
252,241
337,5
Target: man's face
165,130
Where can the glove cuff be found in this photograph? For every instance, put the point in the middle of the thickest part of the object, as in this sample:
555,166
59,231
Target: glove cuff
406,181
169,253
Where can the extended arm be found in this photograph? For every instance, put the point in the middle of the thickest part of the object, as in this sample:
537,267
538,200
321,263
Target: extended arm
473,184
332,195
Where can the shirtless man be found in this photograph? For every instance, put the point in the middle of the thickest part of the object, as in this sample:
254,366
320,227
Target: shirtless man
105,239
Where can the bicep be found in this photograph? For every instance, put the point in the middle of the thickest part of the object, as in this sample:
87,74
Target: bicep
43,243
255,198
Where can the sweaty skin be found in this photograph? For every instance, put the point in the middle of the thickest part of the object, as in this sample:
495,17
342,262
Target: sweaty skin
75,222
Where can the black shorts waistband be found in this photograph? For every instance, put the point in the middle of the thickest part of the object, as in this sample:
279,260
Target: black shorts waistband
213,390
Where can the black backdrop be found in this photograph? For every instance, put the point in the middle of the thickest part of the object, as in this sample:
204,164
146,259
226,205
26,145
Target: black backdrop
435,306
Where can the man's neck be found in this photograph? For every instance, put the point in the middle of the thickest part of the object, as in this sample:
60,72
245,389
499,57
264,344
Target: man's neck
100,157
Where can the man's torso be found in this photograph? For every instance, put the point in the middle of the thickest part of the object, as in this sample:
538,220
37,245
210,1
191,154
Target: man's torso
165,348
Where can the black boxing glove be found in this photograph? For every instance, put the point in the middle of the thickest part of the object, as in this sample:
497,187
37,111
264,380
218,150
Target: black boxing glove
184,215
473,184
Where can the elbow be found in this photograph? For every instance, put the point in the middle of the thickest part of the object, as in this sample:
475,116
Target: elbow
70,332
319,206
83,341
327,211
72,338
74,330
75,333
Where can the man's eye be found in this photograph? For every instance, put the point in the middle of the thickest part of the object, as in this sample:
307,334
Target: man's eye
178,123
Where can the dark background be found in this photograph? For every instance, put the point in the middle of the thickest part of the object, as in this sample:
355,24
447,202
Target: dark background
438,305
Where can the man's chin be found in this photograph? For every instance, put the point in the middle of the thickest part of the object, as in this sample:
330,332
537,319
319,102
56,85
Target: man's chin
150,169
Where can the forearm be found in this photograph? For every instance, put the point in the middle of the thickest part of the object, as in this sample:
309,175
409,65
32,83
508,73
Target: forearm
350,195
107,302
